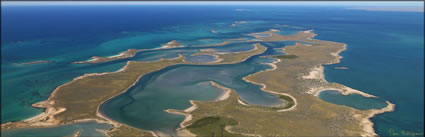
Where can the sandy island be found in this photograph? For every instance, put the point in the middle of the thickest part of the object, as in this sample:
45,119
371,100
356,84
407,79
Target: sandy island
96,59
172,44
238,22
34,62
127,54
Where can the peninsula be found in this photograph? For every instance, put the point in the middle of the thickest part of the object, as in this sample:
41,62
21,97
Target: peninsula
95,59
299,74
127,54
79,100
232,57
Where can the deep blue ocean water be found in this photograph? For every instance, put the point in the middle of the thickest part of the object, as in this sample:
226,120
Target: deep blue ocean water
384,54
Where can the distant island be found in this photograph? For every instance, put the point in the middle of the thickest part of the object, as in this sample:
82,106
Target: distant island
127,54
390,8
95,59
341,67
172,44
34,62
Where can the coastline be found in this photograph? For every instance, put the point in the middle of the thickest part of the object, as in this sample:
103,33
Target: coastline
231,58
116,124
365,122
213,52
318,74
51,112
315,73
368,124
38,120
242,103
264,87
171,44
127,54
224,96
96,59
188,117
46,118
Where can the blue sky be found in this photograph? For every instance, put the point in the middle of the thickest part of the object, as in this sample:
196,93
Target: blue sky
307,3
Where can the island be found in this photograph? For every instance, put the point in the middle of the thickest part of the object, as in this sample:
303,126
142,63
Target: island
296,78
341,68
34,62
95,59
299,75
172,44
80,99
238,22
213,31
127,54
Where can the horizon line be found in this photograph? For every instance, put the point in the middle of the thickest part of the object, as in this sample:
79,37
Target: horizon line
280,3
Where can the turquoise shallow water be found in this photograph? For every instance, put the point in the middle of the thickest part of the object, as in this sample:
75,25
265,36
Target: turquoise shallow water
384,53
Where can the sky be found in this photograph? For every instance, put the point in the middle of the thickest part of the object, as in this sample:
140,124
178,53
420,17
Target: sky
307,3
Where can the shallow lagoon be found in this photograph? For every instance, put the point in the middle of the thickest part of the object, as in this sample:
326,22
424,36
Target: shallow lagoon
143,105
